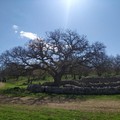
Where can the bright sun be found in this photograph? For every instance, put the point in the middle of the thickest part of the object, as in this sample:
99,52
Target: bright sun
71,6
69,3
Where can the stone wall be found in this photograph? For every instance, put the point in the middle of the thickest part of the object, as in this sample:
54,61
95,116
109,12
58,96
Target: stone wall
88,86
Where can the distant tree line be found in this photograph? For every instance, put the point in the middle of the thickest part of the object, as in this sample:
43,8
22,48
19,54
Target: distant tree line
60,53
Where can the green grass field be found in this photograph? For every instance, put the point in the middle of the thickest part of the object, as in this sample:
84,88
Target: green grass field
17,112
109,110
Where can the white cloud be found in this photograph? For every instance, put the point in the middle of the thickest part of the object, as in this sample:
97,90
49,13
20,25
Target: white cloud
15,28
24,34
28,35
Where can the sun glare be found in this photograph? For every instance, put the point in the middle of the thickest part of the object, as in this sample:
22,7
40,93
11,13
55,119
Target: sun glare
72,4
69,3
69,6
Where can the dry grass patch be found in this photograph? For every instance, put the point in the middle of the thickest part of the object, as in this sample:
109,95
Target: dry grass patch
2,85
89,105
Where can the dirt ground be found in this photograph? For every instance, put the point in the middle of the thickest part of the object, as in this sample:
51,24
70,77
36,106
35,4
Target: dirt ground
87,105
84,105
1,84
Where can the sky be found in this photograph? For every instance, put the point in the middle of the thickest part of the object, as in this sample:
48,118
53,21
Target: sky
21,20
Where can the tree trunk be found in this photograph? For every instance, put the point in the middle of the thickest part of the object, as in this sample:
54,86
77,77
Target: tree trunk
74,76
57,79
66,77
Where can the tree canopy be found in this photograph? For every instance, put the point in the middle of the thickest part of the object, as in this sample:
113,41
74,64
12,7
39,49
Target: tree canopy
58,51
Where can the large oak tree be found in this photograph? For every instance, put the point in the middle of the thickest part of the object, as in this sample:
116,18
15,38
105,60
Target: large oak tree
58,51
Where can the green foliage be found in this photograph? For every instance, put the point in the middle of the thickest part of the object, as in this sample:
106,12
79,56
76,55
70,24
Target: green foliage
16,91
